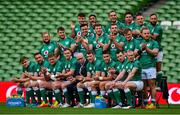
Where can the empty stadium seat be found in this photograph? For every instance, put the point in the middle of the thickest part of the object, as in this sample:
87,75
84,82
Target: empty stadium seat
166,24
176,24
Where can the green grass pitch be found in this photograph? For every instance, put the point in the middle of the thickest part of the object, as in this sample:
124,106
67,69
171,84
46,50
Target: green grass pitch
174,109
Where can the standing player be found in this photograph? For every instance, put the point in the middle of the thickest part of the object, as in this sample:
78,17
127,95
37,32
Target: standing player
99,43
113,20
156,34
83,40
65,42
136,31
130,44
92,23
116,42
76,28
150,50
129,22
48,46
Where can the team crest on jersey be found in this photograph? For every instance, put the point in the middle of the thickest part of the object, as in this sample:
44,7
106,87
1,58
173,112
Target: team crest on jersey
105,68
112,45
131,46
148,44
69,66
125,47
122,66
126,67
46,52
66,42
131,66
92,35
54,69
90,68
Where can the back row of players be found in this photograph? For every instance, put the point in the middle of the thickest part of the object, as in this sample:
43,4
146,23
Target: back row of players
117,56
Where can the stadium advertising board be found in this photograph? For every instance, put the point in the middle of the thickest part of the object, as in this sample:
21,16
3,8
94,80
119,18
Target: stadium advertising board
7,89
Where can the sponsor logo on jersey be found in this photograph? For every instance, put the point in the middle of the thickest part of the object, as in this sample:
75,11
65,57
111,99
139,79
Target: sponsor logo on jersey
46,52
79,33
112,45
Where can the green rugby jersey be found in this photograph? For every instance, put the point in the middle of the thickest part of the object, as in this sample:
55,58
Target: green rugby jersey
156,29
130,66
148,60
97,48
48,49
93,67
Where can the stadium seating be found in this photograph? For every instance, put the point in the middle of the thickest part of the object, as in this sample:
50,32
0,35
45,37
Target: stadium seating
171,49
169,15
169,11
23,21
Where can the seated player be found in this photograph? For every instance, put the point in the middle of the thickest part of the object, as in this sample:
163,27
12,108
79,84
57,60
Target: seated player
132,81
93,71
67,75
51,82
107,71
28,68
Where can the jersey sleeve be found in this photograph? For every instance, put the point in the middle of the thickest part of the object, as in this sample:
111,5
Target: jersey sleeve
98,66
59,67
137,65
158,30
72,40
73,64
155,45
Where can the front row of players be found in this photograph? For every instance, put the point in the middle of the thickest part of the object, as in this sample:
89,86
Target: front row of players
129,72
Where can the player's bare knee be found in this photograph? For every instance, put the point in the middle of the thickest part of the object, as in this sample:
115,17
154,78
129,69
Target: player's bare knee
55,86
108,85
26,84
79,85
